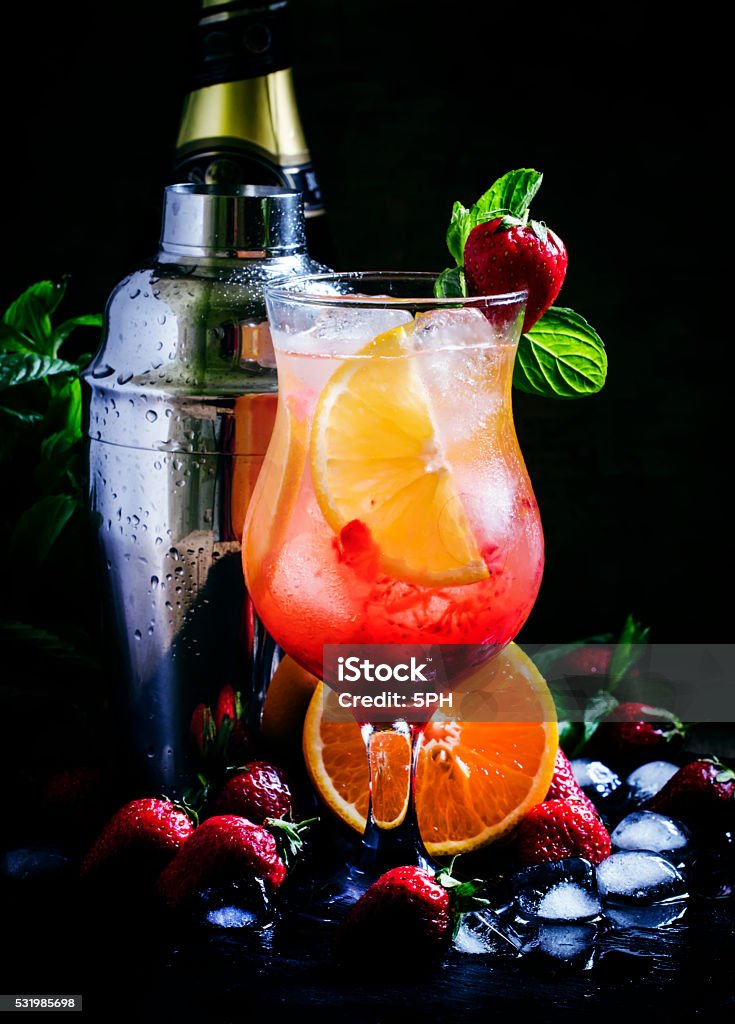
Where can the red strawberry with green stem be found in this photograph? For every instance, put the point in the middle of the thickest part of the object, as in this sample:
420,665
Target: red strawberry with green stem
229,721
701,794
633,733
140,837
509,254
408,912
497,248
221,736
226,847
561,828
257,791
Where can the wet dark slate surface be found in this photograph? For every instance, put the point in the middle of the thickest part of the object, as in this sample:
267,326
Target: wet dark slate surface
127,959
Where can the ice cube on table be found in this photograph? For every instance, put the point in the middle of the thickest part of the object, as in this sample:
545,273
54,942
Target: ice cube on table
484,932
646,781
651,918
568,901
232,917
571,943
595,778
637,876
646,830
563,890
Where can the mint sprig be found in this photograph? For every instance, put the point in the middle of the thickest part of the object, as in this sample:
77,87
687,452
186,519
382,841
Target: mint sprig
509,196
562,356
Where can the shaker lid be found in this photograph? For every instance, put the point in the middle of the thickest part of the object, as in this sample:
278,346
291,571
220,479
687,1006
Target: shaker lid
232,220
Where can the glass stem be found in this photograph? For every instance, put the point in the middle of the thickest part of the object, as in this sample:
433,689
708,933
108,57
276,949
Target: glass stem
392,837
264,657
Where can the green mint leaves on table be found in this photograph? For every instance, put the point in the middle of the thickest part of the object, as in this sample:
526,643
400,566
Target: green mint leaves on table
41,448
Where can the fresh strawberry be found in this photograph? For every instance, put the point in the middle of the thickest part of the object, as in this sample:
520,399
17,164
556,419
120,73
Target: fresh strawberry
228,705
232,731
561,828
224,848
221,736
589,660
509,254
564,786
142,835
408,911
633,733
258,791
407,908
701,794
497,249
202,727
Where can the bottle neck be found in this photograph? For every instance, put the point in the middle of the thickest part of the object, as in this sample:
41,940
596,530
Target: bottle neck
261,110
241,40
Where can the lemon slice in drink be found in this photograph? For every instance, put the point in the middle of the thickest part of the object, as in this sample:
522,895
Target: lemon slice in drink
376,458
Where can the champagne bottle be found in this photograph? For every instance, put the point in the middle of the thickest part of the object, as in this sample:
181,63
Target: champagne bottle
240,121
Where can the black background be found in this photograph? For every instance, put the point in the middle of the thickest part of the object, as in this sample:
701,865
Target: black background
406,109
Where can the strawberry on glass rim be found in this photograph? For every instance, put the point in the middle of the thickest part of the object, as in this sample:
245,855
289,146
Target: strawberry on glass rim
508,253
497,247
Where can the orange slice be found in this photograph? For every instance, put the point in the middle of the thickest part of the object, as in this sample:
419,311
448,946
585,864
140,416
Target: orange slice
475,780
376,457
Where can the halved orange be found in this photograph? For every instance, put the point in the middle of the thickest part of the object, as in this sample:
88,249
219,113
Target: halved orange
376,457
475,780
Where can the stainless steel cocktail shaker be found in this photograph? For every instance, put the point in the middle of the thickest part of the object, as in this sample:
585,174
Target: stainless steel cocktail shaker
182,397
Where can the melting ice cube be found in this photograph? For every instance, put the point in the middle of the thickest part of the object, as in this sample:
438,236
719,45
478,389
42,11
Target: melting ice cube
645,830
568,902
480,934
571,943
637,876
563,890
596,779
658,915
485,931
453,328
648,779
232,917
344,331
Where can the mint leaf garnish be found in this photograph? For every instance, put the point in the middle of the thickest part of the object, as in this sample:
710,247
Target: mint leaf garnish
510,195
562,356
450,284
627,650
